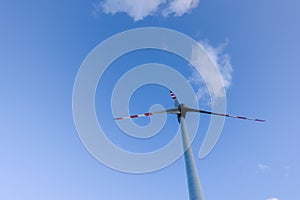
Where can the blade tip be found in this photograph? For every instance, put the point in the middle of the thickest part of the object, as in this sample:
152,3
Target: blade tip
261,120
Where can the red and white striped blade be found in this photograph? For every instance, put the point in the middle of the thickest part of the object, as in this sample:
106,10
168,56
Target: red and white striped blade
225,115
169,111
176,102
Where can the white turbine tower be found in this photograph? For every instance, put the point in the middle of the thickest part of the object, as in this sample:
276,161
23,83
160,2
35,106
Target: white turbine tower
195,192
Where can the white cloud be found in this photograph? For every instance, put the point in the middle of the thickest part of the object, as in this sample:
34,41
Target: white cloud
139,9
263,167
180,7
204,64
273,198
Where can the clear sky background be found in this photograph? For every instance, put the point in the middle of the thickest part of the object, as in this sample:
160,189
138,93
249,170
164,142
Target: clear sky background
42,45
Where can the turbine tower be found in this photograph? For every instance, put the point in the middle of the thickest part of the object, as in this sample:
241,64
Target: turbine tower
194,187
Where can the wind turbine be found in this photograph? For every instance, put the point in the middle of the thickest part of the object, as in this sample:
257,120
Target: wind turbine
195,192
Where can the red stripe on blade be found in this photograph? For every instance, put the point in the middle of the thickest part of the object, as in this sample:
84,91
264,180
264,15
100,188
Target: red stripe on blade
225,115
148,114
134,116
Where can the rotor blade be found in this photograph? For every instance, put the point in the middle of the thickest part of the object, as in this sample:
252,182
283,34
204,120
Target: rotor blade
224,115
169,111
176,102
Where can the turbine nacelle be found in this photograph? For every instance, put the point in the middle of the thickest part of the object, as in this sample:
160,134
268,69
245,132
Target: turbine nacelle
182,111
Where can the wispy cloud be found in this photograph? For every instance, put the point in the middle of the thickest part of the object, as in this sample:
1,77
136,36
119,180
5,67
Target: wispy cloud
221,60
263,167
287,169
180,7
139,9
273,198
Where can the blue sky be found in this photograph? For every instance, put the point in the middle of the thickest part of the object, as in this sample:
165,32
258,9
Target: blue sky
42,47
